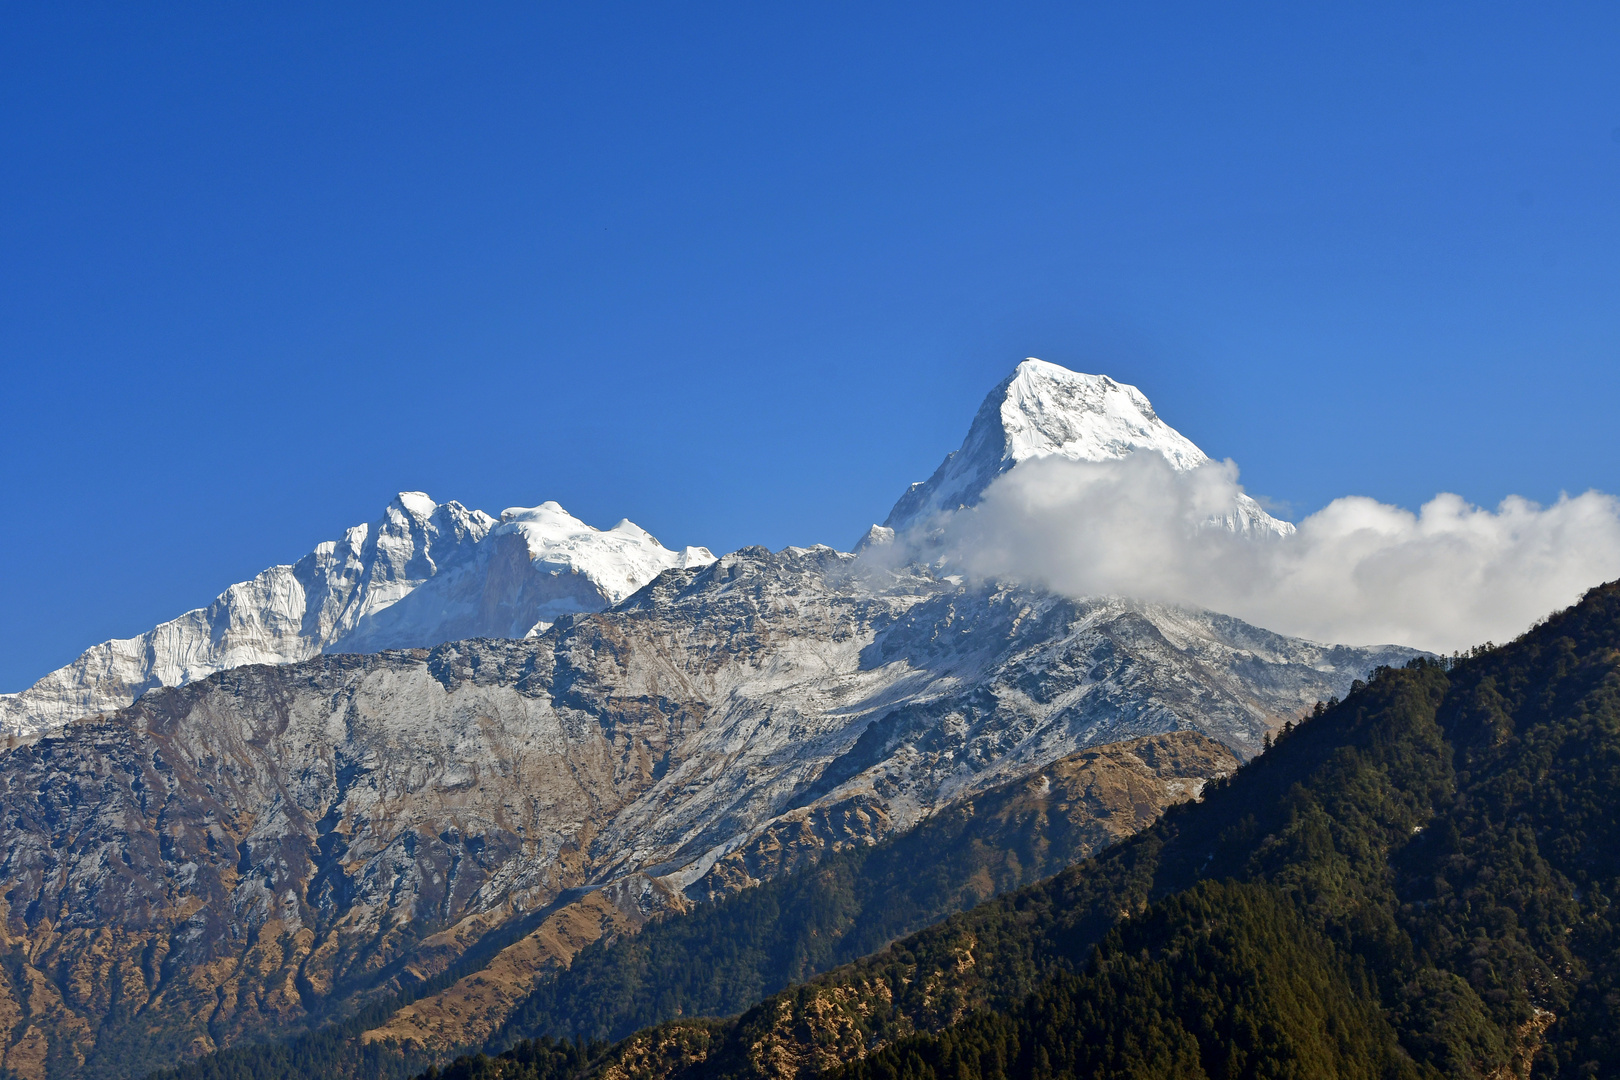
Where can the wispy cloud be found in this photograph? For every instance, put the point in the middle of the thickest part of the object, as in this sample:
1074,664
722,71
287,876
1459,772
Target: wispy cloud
1357,572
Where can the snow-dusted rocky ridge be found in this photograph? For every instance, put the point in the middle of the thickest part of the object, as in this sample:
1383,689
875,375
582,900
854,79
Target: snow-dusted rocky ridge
1043,410
277,835
426,573
422,574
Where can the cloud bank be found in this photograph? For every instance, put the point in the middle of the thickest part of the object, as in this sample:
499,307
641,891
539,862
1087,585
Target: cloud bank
1357,572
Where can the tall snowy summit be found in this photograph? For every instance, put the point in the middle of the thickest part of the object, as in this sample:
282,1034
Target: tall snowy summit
423,574
1043,410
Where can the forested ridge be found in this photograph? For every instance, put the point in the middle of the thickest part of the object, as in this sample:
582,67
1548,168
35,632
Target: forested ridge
1418,881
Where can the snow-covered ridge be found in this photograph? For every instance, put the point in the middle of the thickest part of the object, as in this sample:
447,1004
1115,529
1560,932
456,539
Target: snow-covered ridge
619,560
1044,410
422,574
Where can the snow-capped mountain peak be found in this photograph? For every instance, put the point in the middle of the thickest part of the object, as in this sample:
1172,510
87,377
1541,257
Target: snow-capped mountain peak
416,502
421,574
1044,410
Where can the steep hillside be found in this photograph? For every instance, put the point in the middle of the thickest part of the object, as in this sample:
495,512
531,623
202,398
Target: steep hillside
1418,881
724,956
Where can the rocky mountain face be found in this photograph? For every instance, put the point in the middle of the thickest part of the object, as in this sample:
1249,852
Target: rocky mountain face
857,898
251,851
1043,410
422,574
848,900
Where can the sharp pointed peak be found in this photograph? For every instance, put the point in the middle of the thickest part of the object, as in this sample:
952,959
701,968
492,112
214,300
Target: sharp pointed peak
1042,409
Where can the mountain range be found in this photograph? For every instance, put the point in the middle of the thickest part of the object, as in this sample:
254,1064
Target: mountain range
446,753
425,573
422,574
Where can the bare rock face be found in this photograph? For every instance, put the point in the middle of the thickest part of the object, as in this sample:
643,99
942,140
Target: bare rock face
1100,795
265,847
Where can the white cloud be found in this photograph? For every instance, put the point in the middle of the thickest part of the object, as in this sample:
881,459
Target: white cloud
1357,571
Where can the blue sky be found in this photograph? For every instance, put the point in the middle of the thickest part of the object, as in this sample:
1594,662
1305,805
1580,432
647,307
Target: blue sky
740,273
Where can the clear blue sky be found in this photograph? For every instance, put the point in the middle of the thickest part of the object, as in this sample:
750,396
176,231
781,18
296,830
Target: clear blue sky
742,272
